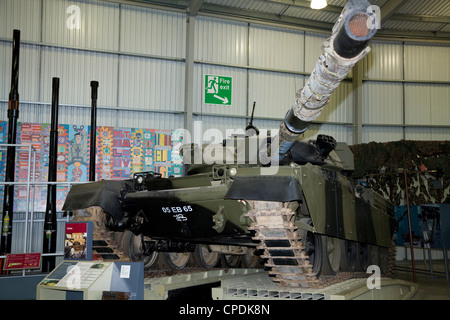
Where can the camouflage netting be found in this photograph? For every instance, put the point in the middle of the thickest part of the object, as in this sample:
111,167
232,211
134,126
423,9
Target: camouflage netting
427,164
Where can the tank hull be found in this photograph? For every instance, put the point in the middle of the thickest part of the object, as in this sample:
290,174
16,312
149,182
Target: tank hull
214,210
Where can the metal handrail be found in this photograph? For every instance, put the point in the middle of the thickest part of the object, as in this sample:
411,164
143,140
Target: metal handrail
31,184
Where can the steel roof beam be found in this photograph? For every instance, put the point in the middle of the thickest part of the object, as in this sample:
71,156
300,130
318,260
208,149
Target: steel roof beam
194,7
389,9
420,18
305,4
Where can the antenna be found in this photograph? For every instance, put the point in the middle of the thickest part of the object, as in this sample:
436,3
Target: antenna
250,125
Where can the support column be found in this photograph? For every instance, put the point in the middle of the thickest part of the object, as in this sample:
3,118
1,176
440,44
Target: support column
189,74
357,102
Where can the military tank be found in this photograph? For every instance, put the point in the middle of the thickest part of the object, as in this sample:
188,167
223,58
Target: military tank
274,196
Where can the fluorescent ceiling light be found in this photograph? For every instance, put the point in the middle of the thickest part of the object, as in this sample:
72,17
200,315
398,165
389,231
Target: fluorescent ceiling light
318,4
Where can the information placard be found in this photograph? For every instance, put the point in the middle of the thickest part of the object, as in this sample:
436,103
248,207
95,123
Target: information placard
75,275
23,261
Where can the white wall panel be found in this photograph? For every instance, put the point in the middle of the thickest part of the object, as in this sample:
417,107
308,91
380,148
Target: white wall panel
76,69
427,104
3,115
151,120
382,103
5,69
276,48
340,107
382,134
427,133
384,61
74,115
34,243
24,15
107,117
28,71
274,93
238,93
98,26
17,243
417,104
221,41
214,128
82,116
41,113
418,134
340,133
28,112
146,83
153,32
427,62
440,105
313,49
440,134
267,124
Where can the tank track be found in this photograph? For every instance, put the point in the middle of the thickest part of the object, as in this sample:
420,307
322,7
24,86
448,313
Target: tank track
285,254
105,245
280,242
392,253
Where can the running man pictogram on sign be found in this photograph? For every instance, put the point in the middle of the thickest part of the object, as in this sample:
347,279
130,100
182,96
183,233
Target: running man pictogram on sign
218,90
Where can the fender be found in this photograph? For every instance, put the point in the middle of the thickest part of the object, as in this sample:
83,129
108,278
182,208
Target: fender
265,188
105,194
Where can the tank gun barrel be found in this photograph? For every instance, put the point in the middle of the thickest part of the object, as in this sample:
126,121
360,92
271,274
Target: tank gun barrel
341,51
50,225
94,93
13,115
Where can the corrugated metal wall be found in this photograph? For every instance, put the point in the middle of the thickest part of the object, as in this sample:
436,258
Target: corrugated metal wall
428,101
138,56
406,86
268,65
140,74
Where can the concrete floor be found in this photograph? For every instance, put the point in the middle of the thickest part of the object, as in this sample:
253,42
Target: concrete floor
431,286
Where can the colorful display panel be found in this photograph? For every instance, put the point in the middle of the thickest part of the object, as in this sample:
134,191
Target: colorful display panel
120,153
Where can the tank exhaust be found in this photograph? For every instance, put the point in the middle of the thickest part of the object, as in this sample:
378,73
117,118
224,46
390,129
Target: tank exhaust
13,115
345,47
50,224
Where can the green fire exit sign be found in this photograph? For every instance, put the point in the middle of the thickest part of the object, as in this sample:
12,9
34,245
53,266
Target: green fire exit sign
218,90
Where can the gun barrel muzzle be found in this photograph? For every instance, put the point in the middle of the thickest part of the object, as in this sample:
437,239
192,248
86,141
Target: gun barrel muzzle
358,28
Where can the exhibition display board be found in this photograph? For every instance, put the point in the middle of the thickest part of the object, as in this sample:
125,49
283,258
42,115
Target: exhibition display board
92,280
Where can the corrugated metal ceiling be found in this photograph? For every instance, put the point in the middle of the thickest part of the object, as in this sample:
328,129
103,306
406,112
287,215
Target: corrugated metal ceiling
410,19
